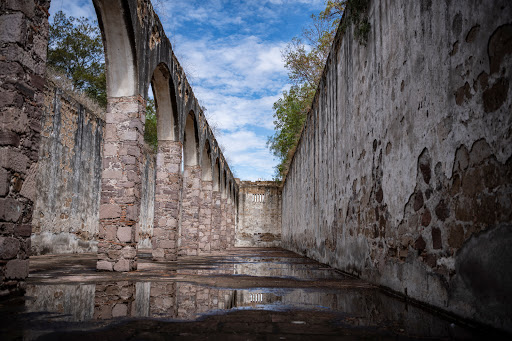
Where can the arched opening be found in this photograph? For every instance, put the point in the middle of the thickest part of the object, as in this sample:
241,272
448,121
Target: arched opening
216,176
206,165
116,28
165,104
191,141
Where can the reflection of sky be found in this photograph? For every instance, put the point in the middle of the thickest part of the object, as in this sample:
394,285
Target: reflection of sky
231,52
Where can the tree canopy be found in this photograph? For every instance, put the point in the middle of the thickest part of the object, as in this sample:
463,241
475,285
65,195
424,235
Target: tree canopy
305,57
75,48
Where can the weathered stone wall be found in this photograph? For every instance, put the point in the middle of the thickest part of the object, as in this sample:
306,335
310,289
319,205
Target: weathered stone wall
259,215
403,172
147,201
67,181
23,36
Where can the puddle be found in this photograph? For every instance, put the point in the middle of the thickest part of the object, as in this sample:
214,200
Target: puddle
238,294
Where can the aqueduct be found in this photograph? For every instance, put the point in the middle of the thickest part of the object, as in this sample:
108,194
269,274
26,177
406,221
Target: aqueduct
402,175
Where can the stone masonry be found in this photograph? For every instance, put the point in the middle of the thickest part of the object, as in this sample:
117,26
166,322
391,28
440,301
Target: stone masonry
189,242
205,217
23,36
121,186
165,232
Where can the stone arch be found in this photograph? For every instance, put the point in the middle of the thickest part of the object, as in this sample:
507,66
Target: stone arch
206,164
216,176
165,102
118,41
190,141
224,183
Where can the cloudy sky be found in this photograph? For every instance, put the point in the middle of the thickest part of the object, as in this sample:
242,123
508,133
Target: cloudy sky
231,52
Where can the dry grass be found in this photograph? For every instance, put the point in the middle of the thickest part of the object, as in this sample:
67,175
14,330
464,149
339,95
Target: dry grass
61,81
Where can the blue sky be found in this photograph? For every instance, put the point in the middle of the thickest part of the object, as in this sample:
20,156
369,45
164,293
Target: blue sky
231,53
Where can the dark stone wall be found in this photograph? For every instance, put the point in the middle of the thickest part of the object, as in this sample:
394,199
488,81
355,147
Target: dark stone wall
403,172
23,36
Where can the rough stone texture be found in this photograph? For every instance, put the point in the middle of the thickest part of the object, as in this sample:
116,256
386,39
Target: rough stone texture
216,221
167,197
68,177
223,234
404,165
114,299
191,201
259,215
22,64
205,217
121,182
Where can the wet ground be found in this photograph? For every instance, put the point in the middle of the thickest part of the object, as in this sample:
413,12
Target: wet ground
242,294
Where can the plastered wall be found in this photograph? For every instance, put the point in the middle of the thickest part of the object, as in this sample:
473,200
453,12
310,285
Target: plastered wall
403,172
259,214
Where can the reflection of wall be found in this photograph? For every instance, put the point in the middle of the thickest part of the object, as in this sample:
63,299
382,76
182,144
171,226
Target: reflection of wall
117,299
259,214
76,302
67,182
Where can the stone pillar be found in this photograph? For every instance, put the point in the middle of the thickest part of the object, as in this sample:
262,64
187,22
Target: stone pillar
167,197
205,217
232,223
23,40
228,222
163,300
223,220
216,221
121,184
189,243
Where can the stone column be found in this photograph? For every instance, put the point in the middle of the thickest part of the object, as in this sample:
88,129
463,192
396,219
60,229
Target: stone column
205,217
23,40
189,243
114,299
121,184
216,221
167,197
228,222
223,221
232,222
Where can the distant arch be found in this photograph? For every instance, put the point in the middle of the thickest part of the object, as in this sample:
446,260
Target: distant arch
216,176
117,33
165,102
206,164
191,141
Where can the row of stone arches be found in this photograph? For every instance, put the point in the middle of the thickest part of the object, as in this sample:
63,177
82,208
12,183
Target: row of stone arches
195,191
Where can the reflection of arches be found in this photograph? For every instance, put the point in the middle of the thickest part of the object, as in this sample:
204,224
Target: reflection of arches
117,33
165,100
206,166
216,176
191,141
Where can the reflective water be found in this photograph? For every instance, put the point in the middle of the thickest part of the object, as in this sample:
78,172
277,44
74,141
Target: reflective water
243,293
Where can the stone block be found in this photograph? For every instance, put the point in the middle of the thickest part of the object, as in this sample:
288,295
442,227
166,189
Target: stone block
132,213
5,179
9,247
9,138
128,252
110,211
12,28
14,159
124,234
16,269
120,310
104,265
10,209
23,230
122,265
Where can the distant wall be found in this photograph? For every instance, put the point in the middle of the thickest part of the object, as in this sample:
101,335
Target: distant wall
259,214
68,178
403,172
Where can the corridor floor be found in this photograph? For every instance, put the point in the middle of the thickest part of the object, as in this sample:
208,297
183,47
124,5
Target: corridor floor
240,294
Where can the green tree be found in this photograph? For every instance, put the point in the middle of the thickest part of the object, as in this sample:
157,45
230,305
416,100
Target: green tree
75,48
305,57
150,129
